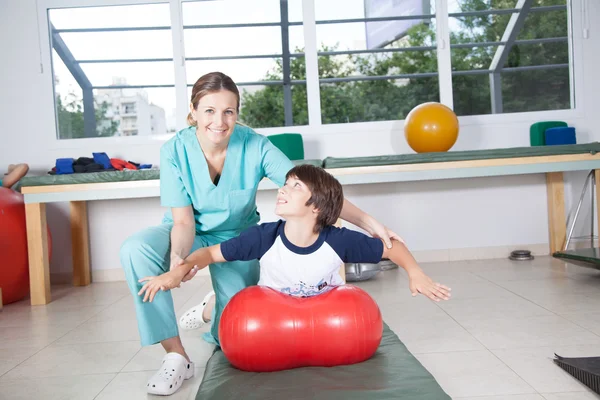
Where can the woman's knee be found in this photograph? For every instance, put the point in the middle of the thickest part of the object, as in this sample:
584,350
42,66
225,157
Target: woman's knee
130,248
139,251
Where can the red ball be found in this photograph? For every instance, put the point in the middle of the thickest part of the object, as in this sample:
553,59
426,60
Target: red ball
14,269
263,330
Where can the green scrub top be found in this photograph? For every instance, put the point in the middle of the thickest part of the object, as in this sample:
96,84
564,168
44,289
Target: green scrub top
230,206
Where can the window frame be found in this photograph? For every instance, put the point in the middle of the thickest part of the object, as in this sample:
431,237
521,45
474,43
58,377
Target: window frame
309,23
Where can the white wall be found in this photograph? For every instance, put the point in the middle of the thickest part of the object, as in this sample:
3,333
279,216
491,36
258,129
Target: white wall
493,214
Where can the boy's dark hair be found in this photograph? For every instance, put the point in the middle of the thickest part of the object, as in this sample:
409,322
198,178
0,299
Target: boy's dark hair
327,193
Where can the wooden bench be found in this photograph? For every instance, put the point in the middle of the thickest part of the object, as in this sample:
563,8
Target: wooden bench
78,195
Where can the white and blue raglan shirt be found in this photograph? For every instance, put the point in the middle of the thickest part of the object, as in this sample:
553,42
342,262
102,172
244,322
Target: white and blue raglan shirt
301,271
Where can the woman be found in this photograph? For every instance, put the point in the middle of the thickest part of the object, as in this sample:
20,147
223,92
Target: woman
209,174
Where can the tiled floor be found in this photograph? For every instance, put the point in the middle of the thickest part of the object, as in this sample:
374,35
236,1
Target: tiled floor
494,340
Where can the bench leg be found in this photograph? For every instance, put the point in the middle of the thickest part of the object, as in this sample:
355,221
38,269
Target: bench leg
557,225
80,244
37,247
597,205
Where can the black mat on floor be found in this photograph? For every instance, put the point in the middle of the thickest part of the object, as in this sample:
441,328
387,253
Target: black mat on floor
584,369
589,257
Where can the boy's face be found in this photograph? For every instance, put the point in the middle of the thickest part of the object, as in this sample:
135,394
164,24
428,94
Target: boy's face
292,198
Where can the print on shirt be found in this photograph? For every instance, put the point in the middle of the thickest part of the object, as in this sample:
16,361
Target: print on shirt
301,289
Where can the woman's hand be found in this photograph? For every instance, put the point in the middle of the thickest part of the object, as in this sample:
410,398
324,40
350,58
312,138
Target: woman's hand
378,230
177,261
191,274
356,216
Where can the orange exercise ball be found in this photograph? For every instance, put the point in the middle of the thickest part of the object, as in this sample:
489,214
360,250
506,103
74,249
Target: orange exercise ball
431,127
14,268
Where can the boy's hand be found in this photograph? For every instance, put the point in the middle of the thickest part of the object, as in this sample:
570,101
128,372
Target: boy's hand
166,281
421,283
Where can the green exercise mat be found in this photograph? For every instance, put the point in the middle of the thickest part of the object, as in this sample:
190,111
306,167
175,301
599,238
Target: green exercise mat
392,373
291,144
513,152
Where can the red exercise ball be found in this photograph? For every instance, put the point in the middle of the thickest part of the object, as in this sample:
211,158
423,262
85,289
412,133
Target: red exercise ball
263,330
14,269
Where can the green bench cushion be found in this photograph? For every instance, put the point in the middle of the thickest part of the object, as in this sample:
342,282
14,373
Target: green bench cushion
514,152
392,373
90,177
316,163
109,176
332,162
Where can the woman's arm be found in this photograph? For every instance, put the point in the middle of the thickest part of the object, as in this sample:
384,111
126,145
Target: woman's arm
276,165
182,234
356,216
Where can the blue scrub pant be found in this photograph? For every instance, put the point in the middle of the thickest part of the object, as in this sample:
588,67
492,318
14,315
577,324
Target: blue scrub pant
147,253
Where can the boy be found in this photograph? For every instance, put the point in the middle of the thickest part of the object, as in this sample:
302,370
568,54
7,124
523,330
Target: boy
301,256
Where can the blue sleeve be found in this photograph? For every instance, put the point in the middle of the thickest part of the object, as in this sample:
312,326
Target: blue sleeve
354,247
251,244
275,164
172,189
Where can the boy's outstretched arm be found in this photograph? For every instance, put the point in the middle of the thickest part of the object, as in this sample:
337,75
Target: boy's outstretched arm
172,279
201,258
419,282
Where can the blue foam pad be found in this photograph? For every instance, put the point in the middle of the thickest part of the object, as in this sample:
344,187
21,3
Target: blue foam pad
64,166
102,158
560,135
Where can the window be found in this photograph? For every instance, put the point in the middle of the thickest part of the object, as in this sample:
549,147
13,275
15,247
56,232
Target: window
129,108
373,70
246,42
509,58
122,69
109,63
